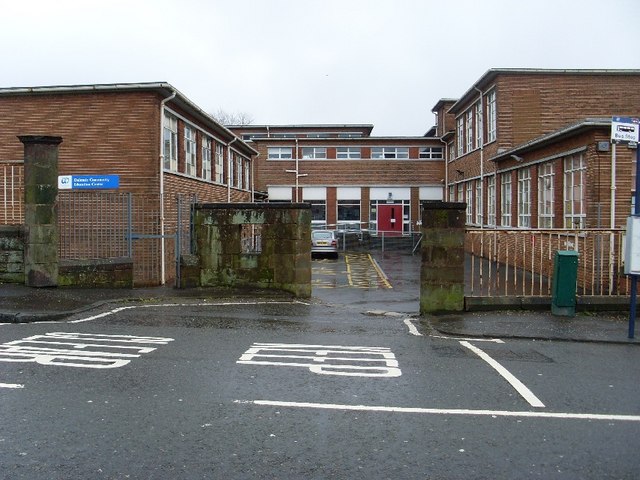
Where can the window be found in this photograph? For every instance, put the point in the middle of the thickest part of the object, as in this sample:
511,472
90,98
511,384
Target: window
469,202
505,199
348,152
524,198
460,136
491,201
247,175
452,193
491,116
349,214
545,195
219,171
309,153
574,207
318,135
170,142
469,122
239,172
478,202
451,151
431,152
318,213
461,192
478,124
283,135
280,153
206,158
350,135
390,152
190,151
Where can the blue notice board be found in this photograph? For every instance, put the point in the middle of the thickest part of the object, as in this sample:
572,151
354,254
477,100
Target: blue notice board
88,182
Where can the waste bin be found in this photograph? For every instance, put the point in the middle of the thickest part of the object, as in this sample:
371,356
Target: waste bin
565,278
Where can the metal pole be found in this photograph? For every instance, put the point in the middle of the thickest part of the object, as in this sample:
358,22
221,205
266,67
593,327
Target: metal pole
129,225
634,278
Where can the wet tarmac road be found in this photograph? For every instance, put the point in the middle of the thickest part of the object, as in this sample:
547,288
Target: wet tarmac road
320,389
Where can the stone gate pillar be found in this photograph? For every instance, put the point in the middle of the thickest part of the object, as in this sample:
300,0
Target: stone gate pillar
442,268
41,219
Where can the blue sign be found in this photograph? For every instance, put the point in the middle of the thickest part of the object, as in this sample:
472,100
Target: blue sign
88,182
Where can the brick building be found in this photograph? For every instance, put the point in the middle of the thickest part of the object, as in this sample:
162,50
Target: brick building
155,139
530,148
353,180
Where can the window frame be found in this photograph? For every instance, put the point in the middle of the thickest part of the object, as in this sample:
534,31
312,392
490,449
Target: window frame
524,197
570,173
313,153
170,142
190,156
491,116
206,157
491,201
431,153
389,153
546,194
348,153
505,199
280,153
219,163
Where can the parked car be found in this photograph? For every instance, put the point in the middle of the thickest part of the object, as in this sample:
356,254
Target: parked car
324,242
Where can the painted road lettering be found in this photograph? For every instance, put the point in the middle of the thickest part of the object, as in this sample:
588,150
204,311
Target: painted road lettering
325,360
84,350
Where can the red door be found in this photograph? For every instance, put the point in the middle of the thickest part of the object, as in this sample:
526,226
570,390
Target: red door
390,219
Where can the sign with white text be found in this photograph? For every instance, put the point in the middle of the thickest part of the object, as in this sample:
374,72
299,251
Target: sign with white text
625,130
88,182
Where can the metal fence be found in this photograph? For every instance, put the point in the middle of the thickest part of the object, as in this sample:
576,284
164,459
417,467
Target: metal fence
96,225
11,193
520,262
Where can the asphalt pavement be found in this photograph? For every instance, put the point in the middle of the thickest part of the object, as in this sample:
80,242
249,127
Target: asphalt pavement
21,304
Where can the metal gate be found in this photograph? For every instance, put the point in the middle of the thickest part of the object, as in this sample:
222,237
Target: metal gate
151,229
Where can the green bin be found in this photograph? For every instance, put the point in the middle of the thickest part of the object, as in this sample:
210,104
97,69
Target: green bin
565,278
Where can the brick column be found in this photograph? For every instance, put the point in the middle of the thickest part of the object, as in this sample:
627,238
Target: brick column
41,219
442,268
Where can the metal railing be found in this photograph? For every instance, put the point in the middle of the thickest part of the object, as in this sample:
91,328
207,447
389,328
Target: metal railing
518,262
11,193
368,238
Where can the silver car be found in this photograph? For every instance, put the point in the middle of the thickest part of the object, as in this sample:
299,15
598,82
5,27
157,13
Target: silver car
324,242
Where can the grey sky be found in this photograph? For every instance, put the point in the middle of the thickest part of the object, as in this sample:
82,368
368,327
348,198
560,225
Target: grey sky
302,61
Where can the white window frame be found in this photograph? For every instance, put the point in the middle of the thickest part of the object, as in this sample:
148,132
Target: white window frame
219,167
170,144
469,200
491,201
491,116
206,157
280,153
505,199
460,194
431,153
478,202
348,153
469,130
575,169
478,124
314,153
389,153
460,136
546,178
524,198
239,172
247,174
190,150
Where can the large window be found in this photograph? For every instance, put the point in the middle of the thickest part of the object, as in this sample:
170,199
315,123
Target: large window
280,153
491,116
491,201
247,175
505,199
460,136
206,158
309,153
478,202
478,124
431,152
349,214
318,213
390,152
545,195
219,171
469,202
461,192
469,125
524,198
348,153
239,172
574,194
170,143
190,151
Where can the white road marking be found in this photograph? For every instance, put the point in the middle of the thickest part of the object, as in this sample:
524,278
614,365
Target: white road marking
412,328
508,376
324,359
86,350
444,411
161,305
11,385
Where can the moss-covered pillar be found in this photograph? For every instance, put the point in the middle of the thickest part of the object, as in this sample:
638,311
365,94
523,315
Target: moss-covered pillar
442,269
41,220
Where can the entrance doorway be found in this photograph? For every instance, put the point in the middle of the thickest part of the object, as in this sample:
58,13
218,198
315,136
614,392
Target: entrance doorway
390,219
